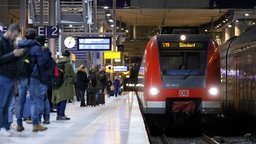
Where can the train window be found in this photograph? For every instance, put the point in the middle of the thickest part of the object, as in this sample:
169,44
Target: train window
183,68
174,62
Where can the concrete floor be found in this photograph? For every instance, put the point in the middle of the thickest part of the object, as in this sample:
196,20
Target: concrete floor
119,121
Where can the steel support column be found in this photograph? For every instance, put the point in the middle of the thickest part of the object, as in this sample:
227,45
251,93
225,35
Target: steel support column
52,22
23,17
41,14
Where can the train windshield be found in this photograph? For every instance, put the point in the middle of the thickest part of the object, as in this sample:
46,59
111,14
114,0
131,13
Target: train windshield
183,68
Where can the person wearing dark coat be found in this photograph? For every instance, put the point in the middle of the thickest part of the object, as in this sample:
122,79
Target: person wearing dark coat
109,84
35,81
82,84
116,85
8,58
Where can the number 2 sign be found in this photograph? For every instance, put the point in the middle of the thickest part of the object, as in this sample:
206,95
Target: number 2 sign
48,31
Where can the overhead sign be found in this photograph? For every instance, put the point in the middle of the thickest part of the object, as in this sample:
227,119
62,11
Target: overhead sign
94,43
182,45
112,55
120,68
48,31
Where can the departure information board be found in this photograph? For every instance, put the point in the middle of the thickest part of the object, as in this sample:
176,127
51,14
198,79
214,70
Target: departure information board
94,43
175,45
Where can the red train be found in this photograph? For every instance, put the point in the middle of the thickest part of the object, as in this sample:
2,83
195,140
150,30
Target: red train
180,74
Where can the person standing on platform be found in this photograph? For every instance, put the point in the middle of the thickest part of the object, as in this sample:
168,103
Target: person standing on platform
46,72
65,92
109,84
82,84
37,62
116,85
95,74
8,69
103,79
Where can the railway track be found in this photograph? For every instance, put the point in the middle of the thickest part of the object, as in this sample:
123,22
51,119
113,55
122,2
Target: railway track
203,139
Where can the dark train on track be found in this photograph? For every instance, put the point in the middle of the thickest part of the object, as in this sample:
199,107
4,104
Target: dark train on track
238,73
180,73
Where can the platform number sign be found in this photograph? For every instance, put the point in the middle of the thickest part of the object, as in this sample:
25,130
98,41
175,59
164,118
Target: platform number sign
48,31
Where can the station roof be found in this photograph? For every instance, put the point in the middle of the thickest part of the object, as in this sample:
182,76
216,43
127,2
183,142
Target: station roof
170,17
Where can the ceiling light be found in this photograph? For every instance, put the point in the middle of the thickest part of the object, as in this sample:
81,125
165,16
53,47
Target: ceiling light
206,30
246,14
237,21
70,25
253,23
105,7
112,25
108,14
230,26
122,29
127,31
224,21
110,20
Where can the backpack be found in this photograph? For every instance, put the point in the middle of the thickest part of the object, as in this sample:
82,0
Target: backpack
25,65
59,75
93,78
103,78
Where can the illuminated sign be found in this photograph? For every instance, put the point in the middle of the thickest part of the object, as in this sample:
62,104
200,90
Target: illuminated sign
176,45
73,57
120,68
94,43
188,45
166,44
112,55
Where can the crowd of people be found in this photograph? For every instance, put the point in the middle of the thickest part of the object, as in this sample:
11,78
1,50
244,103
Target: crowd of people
33,82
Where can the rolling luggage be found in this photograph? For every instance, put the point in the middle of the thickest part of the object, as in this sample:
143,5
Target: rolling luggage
111,93
101,99
91,97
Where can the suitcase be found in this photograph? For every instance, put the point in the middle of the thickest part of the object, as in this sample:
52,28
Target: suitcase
101,99
111,93
91,97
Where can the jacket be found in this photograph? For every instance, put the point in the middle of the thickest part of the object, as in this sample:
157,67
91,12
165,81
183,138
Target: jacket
116,85
66,90
96,73
47,70
7,59
37,58
82,80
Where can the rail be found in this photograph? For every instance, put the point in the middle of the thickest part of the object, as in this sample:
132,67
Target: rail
209,139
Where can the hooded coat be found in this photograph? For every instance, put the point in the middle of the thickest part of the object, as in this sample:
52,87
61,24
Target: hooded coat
66,90
96,73
81,76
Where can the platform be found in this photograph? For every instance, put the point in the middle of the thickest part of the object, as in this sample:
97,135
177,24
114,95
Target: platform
119,121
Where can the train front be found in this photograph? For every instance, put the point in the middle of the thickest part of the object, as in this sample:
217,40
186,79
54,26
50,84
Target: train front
181,74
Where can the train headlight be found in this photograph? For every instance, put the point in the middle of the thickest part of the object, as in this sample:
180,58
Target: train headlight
154,91
213,91
183,37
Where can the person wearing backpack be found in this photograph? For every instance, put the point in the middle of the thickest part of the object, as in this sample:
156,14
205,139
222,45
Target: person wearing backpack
46,74
63,85
82,84
8,69
97,78
37,62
